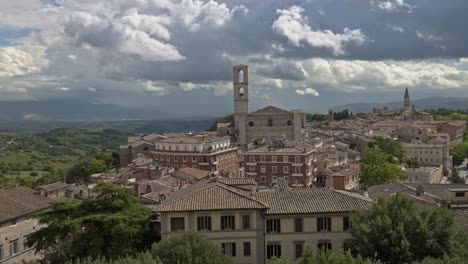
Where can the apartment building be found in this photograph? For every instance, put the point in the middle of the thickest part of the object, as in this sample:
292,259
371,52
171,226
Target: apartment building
268,163
177,150
253,227
16,207
433,153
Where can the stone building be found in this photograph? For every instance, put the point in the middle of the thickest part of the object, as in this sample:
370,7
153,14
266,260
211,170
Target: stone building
292,162
425,174
266,122
16,207
255,226
433,153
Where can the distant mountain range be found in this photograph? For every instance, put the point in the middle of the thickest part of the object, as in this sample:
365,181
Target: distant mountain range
68,110
425,103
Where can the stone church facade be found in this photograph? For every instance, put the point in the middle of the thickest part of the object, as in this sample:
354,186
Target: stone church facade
263,123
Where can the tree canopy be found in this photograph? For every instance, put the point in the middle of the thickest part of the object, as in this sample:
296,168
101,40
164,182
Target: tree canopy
376,169
323,257
112,225
395,230
189,248
393,148
224,119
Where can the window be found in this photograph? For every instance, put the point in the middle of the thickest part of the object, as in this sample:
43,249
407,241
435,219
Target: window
273,159
262,158
289,122
168,158
297,169
229,249
227,222
346,223
270,122
273,169
184,159
247,251
203,223
273,225
176,158
285,169
194,159
251,123
252,158
14,248
246,222
274,179
262,169
285,158
299,248
324,245
297,159
324,224
13,222
25,243
459,194
263,178
273,250
298,224
177,224
2,254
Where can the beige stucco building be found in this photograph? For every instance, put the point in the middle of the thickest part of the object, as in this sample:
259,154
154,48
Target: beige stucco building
16,208
255,226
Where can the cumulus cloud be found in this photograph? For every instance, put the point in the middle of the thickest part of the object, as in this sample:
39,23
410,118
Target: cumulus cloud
64,89
392,5
293,25
92,89
428,37
154,88
308,91
397,28
15,61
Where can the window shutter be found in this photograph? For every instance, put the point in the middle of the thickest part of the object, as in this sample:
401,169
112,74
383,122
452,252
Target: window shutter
329,223
233,249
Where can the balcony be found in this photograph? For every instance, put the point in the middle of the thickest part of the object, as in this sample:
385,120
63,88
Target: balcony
298,174
297,164
203,163
251,163
251,173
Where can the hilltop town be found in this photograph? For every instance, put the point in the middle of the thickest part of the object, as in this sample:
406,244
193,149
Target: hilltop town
269,182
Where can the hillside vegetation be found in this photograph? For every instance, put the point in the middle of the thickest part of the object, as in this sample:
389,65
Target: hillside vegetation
34,159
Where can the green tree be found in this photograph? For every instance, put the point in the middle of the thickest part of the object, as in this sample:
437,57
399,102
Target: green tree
111,226
224,119
394,230
459,153
455,177
189,248
376,169
141,258
276,260
392,147
82,171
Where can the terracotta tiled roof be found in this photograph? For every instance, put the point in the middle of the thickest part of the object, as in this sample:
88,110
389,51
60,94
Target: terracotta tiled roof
236,181
315,200
19,202
207,197
54,186
196,173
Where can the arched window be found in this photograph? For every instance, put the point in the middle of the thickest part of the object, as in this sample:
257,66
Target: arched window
148,189
240,76
251,123
289,122
241,91
270,122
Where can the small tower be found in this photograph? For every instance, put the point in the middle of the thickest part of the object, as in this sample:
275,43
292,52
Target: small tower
406,100
331,114
241,100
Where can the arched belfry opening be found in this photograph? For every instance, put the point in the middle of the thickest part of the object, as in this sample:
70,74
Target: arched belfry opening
240,75
241,92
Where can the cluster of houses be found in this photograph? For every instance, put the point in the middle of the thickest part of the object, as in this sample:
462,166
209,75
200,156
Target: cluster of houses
263,185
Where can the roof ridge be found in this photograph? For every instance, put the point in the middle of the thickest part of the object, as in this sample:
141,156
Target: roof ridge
17,201
354,195
226,187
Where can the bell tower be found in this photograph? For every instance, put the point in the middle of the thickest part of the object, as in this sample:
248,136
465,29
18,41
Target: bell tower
241,100
406,100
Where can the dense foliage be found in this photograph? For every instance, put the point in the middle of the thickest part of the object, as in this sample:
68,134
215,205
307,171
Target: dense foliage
395,230
224,119
323,257
393,148
377,169
112,226
443,114
459,153
189,248
340,115
33,160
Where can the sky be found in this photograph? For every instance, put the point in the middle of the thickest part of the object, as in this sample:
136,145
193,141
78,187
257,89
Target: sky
176,56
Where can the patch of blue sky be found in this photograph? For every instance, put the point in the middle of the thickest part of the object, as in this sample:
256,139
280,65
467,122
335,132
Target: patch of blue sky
10,36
